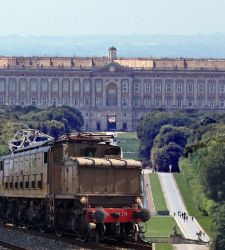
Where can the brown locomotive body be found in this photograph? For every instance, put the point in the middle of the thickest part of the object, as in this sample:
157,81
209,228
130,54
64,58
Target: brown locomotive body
71,184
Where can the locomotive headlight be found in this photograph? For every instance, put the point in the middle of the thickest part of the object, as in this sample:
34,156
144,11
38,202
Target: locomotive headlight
139,202
84,200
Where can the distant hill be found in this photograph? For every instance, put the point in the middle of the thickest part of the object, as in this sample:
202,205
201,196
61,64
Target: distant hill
195,46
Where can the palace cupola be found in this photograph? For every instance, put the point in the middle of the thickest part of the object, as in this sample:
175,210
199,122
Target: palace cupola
112,53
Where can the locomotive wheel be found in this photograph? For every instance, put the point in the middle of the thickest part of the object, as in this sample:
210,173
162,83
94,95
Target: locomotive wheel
42,228
100,230
58,233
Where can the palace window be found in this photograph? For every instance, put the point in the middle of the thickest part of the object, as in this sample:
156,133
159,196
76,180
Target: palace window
98,85
190,87
179,103
12,85
2,85
22,101
23,83
55,85
98,102
66,101
147,102
168,86
200,86
65,85
2,101
44,85
147,86
190,103
168,102
87,85
76,101
158,85
33,85
111,99
157,103
124,102
211,87
222,103
86,101
179,86
136,86
33,102
12,101
54,102
211,103
76,85
124,86
136,102
222,86
44,102
201,103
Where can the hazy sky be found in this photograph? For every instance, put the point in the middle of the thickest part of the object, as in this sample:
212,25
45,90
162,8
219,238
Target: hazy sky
116,17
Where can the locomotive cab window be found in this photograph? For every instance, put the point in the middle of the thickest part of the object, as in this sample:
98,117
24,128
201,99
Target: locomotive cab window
112,151
89,152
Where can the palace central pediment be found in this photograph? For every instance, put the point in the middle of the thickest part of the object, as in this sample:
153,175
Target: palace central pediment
112,67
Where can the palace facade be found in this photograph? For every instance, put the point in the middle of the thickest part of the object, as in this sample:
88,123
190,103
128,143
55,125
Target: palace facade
113,93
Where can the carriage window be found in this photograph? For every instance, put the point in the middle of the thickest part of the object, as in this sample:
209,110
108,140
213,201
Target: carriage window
46,157
1,165
40,184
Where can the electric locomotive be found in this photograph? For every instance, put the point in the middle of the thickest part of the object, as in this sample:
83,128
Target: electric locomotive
77,183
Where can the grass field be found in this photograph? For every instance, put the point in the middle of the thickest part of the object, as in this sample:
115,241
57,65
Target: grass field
185,191
164,246
158,197
161,226
129,143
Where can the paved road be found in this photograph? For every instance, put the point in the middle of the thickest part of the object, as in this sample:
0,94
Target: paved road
189,247
175,204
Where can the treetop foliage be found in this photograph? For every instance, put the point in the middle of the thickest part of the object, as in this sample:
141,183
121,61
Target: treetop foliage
53,121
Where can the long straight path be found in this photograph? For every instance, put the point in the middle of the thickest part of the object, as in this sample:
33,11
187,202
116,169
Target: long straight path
148,191
175,203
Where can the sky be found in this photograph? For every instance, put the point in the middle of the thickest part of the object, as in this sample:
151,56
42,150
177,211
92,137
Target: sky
111,17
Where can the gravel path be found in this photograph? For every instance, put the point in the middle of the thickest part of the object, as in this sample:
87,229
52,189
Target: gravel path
32,242
148,192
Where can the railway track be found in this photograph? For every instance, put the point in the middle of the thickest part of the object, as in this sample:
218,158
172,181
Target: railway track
9,246
70,241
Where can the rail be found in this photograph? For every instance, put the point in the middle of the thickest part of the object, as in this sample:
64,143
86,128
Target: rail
11,246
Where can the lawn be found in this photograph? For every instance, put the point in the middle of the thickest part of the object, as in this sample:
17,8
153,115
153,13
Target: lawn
186,193
158,197
161,226
129,143
164,246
